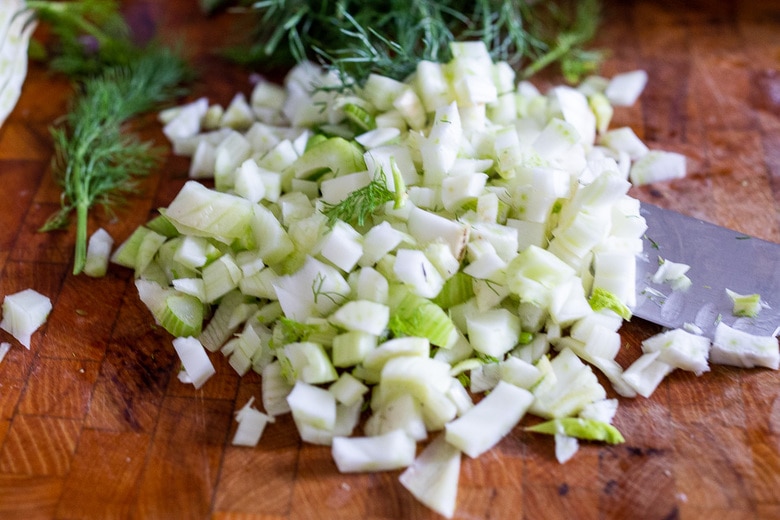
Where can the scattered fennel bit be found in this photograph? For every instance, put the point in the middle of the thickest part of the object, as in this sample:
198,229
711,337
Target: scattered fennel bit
746,305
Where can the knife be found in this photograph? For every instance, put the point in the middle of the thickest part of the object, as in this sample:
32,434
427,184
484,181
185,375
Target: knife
719,259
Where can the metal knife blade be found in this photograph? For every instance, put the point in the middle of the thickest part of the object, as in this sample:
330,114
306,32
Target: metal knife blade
719,259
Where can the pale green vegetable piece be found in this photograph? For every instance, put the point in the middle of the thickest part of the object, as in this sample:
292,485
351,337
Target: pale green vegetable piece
194,359
586,429
433,476
98,253
484,425
745,305
23,313
735,347
389,451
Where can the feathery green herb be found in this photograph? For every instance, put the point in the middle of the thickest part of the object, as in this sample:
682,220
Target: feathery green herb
85,36
356,38
360,204
96,160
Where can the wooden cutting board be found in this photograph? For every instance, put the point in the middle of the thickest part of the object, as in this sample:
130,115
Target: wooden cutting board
95,424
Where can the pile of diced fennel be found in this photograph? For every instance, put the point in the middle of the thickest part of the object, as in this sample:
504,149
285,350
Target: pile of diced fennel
488,283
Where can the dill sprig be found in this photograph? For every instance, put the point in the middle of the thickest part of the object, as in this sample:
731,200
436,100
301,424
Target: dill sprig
96,160
356,38
360,204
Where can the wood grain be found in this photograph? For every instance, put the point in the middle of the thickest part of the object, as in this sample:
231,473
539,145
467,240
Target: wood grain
95,424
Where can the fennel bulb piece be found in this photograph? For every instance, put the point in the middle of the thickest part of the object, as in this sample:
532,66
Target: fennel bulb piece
23,313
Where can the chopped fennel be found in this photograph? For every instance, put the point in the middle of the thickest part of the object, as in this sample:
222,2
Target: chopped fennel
673,273
251,423
433,476
735,347
746,305
23,313
491,242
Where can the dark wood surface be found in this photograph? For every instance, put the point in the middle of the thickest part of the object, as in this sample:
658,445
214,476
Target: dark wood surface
95,424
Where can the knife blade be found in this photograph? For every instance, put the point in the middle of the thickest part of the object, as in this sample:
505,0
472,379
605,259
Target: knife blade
719,259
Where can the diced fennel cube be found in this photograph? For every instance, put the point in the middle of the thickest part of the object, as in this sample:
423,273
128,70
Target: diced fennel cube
416,375
557,138
194,359
455,190
379,241
624,139
411,108
624,89
251,423
483,377
575,110
646,373
272,241
615,273
565,447
371,285
341,246
413,268
362,315
494,332
220,277
275,389
351,347
657,166
681,349
376,358
745,305
182,315
484,425
573,386
337,189
228,156
312,406
672,273
392,450
413,315
433,476
203,160
428,227
603,410
248,182
186,122
432,85
347,418
534,273
315,289
403,412
377,137
220,326
200,211
519,372
440,149
601,108
381,91
23,313
238,114
98,253
335,154
267,94
348,389
310,363
735,347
